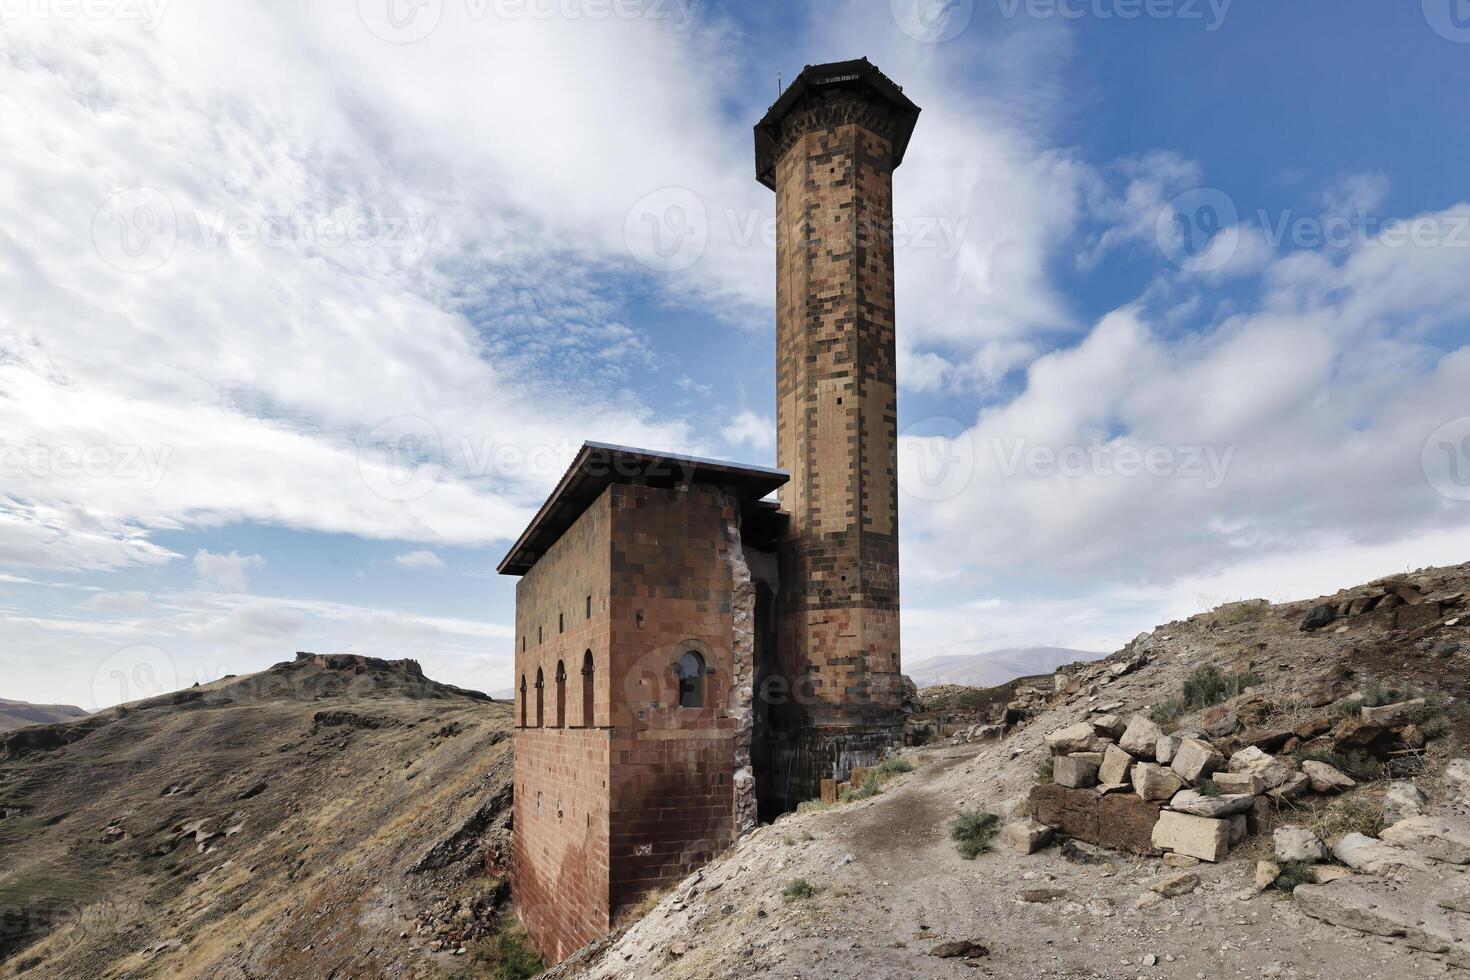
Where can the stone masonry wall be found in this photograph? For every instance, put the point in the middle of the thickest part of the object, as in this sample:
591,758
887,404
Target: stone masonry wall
674,568
836,427
561,875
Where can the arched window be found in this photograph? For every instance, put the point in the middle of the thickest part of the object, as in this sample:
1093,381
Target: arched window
691,680
561,694
587,689
523,700
540,704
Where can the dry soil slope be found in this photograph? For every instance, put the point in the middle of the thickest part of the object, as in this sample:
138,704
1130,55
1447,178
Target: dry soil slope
290,823
19,714
891,888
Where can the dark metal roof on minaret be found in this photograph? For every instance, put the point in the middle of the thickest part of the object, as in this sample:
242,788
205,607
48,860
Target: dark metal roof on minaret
859,74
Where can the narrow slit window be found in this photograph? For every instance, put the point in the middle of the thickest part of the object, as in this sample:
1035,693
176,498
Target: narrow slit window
691,680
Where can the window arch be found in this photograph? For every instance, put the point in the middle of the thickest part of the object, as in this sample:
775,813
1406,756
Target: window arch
690,669
561,694
523,700
587,689
540,703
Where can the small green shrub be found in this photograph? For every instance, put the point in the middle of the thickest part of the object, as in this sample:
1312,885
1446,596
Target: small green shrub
1209,685
1167,711
1436,708
509,954
870,787
1044,771
893,767
1293,873
811,806
798,889
1207,787
1437,727
1346,816
972,831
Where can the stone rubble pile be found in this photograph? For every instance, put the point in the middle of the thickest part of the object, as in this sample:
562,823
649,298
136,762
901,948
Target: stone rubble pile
1200,790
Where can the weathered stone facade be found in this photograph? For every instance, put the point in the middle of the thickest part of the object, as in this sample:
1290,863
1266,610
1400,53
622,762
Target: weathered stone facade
619,788
689,656
829,148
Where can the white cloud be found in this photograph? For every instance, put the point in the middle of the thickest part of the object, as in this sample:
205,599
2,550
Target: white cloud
119,602
230,571
750,429
423,558
1294,423
201,636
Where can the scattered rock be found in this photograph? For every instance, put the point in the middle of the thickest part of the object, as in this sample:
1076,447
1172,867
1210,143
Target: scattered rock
1323,873
1074,772
1200,805
1298,844
1381,909
1116,766
965,949
1266,874
1367,854
1196,759
1041,896
1108,726
1201,837
1149,900
1252,761
1026,836
1176,884
1181,860
1165,748
1403,799
1140,739
1457,778
1444,839
1240,782
1296,786
1153,782
1389,715
1320,616
1327,779
1077,738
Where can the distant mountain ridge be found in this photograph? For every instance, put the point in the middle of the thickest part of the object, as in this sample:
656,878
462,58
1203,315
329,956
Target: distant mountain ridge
19,714
994,667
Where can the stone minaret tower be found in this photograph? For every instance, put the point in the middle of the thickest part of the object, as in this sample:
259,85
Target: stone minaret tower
828,148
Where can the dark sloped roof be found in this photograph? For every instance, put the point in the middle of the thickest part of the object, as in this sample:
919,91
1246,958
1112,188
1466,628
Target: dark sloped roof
859,74
599,464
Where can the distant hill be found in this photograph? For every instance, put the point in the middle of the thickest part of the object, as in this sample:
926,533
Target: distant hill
297,822
18,714
994,667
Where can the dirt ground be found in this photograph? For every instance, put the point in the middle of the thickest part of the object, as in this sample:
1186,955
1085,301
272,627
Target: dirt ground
890,886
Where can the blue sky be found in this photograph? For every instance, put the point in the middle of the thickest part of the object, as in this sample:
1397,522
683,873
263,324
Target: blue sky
302,311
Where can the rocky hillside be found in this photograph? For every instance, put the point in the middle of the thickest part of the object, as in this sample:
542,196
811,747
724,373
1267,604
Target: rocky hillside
1316,742
332,816
19,714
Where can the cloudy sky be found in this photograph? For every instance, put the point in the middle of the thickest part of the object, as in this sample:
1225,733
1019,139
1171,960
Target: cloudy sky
304,307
